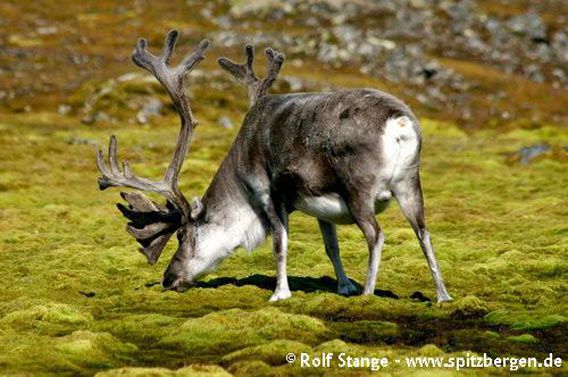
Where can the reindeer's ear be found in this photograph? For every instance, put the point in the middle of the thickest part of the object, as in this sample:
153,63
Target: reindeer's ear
197,209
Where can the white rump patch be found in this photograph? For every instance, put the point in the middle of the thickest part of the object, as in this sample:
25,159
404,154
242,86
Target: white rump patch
400,147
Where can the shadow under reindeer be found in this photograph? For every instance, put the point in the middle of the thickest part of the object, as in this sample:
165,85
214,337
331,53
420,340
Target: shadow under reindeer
297,283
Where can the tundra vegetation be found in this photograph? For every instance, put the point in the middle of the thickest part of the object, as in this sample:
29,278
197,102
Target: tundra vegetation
77,298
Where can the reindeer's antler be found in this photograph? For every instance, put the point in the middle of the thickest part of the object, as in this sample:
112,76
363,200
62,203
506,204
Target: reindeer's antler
151,224
257,88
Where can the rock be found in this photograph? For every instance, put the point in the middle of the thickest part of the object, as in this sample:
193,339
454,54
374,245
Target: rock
224,22
418,4
385,44
99,116
459,11
82,141
268,9
332,54
20,107
526,154
429,71
64,109
474,43
88,119
347,34
21,41
560,46
288,84
541,52
529,24
295,84
396,41
312,22
206,13
225,122
46,30
534,73
153,107
559,74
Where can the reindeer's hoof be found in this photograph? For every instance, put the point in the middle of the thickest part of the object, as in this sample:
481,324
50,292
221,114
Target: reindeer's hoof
282,294
445,298
347,289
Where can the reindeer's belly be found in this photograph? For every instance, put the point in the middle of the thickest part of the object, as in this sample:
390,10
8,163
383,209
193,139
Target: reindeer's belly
332,208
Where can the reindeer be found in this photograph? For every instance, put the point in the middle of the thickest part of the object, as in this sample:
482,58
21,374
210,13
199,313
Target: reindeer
339,157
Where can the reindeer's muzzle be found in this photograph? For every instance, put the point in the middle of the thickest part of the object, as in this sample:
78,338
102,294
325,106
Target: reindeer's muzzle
169,281
172,282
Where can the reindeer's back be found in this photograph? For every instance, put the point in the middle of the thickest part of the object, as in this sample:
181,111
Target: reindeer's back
305,139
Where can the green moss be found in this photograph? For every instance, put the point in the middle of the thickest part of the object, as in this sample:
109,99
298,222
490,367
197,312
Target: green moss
499,232
80,353
524,338
228,330
49,319
251,368
524,321
491,334
271,353
374,332
469,306
191,371
430,350
93,350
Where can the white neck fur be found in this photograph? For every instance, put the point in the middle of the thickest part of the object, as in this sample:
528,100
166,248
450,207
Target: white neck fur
236,225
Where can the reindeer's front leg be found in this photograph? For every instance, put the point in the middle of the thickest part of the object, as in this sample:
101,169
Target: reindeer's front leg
344,286
278,218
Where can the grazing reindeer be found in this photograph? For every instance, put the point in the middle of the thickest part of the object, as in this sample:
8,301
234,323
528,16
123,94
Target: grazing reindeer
338,156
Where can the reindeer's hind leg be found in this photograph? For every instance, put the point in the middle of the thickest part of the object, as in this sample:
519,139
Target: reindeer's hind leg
409,195
344,285
361,207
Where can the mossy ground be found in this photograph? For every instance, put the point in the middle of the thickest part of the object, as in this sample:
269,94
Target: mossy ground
500,231
76,298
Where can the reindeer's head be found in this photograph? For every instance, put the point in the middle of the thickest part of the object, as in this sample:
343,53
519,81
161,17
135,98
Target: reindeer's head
150,223
189,262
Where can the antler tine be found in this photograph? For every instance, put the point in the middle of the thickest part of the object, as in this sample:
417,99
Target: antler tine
190,61
112,154
111,175
172,80
149,223
251,76
275,61
169,45
142,57
242,72
245,73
